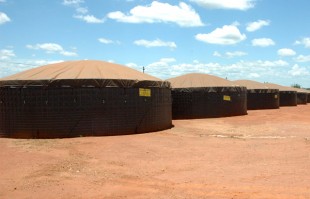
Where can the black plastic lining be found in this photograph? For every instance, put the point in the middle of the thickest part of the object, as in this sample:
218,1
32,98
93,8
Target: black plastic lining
37,112
288,98
302,98
208,102
263,99
76,83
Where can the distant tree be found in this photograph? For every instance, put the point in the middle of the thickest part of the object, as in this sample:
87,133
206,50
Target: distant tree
296,86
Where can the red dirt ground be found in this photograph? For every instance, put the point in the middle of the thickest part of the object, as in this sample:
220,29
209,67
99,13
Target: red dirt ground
265,154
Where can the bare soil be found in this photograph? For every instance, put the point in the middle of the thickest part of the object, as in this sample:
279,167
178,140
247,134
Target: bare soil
265,154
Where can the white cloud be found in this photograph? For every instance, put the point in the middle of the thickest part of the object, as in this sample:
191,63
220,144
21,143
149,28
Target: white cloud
108,41
81,10
259,70
158,12
68,54
263,42
235,54
266,63
163,62
42,62
230,54
4,18
305,42
132,65
298,71
226,4
160,68
89,18
195,61
51,48
72,2
235,23
105,41
303,58
168,60
155,43
253,75
6,54
286,52
256,25
12,67
227,35
217,54
48,47
164,68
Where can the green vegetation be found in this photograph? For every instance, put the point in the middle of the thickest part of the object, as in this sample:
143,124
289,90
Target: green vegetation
296,86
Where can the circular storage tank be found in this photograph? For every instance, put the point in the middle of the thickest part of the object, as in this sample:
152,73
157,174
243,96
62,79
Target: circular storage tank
204,96
302,96
288,96
258,96
82,98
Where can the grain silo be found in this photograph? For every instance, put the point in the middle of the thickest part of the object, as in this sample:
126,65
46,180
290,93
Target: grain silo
259,96
288,96
82,98
203,96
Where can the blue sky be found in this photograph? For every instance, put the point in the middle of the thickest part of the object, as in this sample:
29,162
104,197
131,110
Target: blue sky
261,40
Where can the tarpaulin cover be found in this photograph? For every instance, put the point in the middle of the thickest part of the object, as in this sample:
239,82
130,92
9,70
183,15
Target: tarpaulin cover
81,98
253,86
194,80
259,96
37,112
205,96
83,73
280,87
301,96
